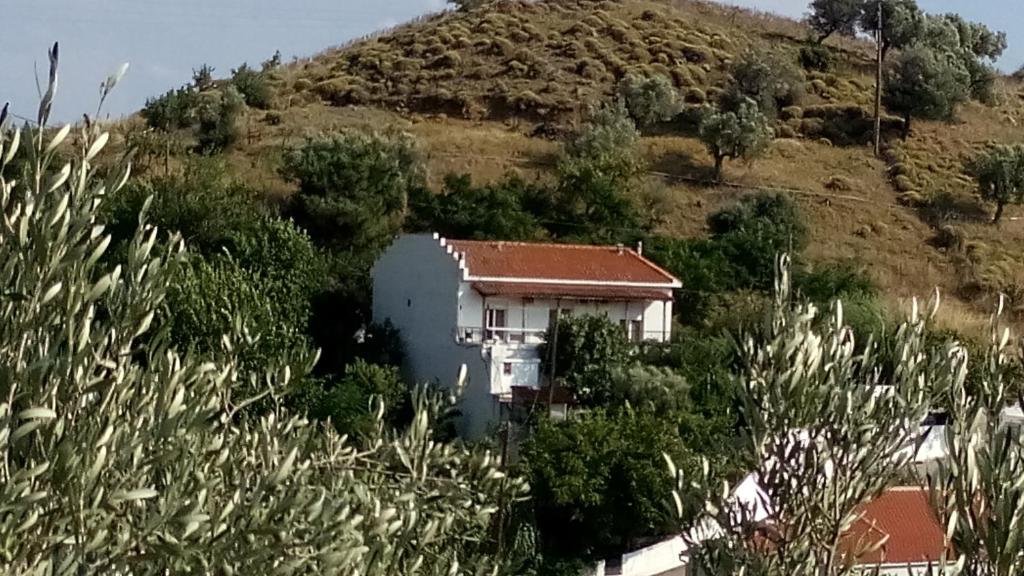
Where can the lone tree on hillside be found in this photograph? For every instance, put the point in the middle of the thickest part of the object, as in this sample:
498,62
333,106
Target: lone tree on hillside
649,99
923,83
1000,175
830,17
901,22
741,134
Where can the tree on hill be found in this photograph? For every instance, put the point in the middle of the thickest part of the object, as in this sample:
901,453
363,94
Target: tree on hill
770,81
999,172
354,188
973,44
830,17
650,99
901,22
923,83
741,134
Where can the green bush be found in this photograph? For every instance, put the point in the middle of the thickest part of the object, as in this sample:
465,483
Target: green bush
176,109
218,122
253,86
598,481
650,99
511,209
353,188
771,82
817,58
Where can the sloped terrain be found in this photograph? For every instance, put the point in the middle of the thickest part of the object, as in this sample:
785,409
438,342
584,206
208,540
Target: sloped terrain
490,91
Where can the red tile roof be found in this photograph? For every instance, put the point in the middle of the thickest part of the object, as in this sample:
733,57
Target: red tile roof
906,517
576,291
565,262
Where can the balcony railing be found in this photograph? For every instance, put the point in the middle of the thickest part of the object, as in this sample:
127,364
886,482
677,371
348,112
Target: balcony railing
477,335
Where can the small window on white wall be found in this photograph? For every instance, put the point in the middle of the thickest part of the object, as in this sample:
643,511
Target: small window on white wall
506,369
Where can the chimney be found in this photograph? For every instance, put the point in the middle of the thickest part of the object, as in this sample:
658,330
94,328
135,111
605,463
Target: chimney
640,248
621,249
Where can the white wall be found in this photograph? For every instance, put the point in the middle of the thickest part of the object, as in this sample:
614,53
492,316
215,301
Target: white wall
415,285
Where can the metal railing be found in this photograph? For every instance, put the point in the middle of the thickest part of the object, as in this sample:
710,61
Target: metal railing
478,335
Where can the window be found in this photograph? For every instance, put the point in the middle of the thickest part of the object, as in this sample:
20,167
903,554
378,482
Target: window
636,330
506,369
497,320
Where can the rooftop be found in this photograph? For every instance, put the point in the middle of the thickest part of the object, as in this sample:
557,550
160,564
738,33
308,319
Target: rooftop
558,263
905,516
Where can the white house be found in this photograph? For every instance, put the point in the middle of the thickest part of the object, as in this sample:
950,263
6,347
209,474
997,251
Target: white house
488,305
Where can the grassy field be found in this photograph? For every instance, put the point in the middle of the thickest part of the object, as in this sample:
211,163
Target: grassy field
486,92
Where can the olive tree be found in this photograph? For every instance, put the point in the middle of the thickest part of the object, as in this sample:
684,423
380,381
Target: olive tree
827,428
901,22
978,491
999,172
650,99
741,134
122,455
924,83
830,17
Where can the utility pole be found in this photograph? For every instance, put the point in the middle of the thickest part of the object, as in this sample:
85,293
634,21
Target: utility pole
878,85
554,354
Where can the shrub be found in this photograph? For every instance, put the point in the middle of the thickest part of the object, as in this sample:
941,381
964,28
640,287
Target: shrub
174,110
506,210
839,183
202,79
695,96
817,58
252,85
649,100
218,122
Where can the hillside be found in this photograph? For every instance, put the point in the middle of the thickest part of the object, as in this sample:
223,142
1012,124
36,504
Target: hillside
488,92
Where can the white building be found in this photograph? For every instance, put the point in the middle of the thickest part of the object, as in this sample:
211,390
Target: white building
488,304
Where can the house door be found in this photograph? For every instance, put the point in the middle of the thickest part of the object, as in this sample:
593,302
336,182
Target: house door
497,321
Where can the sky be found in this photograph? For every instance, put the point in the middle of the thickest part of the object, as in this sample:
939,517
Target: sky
164,40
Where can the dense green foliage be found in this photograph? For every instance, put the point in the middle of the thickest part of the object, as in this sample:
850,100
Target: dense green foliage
924,83
902,21
353,188
649,99
589,350
174,110
252,85
830,17
218,117
599,482
999,172
126,455
510,209
772,83
741,134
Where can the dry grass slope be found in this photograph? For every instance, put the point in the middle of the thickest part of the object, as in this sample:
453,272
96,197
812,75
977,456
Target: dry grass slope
484,90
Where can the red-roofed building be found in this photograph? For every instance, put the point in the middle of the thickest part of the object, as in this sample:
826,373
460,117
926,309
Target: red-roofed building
488,304
912,537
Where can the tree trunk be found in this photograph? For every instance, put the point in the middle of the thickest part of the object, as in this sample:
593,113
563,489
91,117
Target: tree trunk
999,212
719,160
825,36
906,127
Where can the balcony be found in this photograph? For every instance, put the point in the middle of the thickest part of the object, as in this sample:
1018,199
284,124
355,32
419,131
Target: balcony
495,335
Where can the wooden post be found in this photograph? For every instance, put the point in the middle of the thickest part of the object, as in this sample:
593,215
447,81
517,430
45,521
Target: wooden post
878,85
